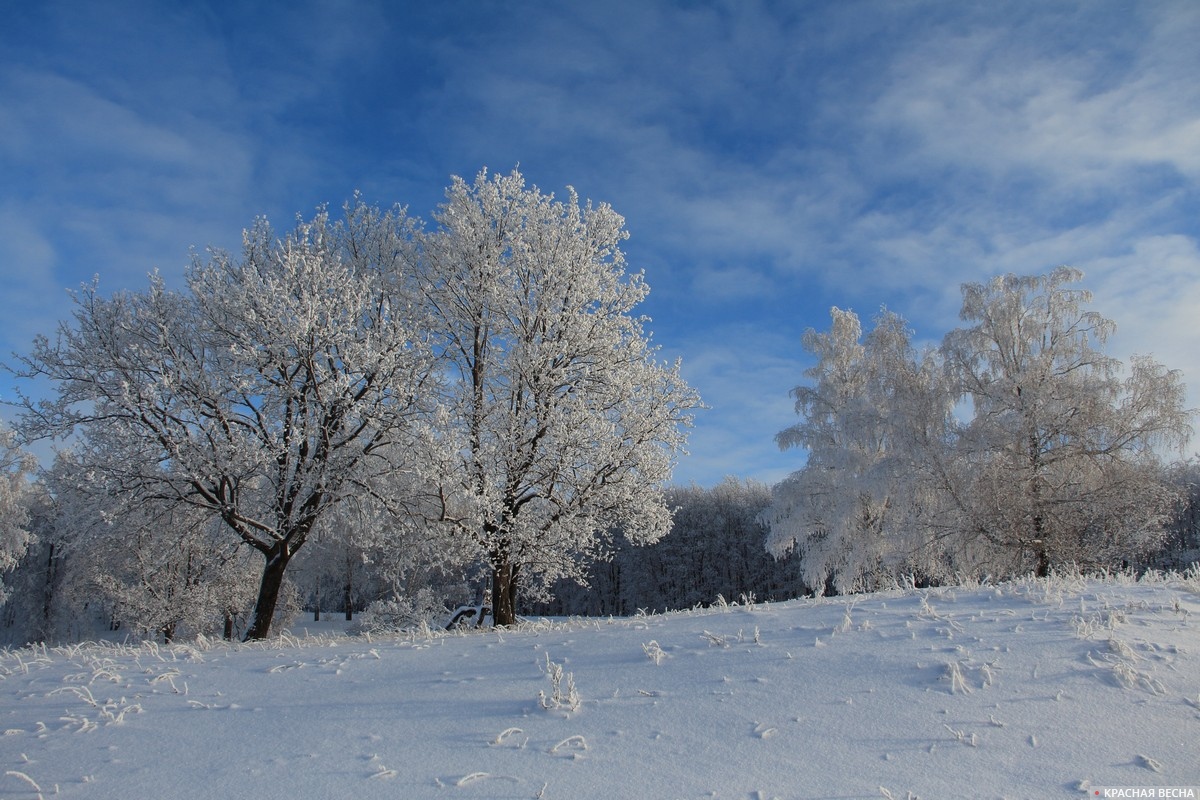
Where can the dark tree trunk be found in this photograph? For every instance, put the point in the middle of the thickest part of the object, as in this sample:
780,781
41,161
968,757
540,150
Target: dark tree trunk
317,609
268,592
48,591
504,594
228,626
348,589
1040,534
1043,561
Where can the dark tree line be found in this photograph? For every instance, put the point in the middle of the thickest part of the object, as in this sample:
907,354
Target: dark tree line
1180,547
716,548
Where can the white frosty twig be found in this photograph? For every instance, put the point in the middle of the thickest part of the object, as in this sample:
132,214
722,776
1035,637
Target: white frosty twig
504,734
14,773
576,742
471,778
971,741
958,681
654,652
563,693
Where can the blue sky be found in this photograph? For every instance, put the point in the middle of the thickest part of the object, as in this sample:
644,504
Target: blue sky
771,159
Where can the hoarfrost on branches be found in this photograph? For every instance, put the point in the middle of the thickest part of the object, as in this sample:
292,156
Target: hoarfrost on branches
15,466
562,424
273,387
874,405
481,393
1056,459
1062,455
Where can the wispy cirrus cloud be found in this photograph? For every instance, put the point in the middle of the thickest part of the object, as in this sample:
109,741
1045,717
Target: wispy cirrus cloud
771,159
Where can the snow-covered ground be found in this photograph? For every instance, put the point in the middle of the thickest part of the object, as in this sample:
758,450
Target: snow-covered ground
1025,690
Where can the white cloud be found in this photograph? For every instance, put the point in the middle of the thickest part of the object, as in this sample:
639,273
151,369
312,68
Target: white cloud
55,116
770,159
27,259
1152,292
744,373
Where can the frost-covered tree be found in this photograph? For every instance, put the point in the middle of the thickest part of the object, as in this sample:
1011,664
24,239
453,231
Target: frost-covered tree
332,574
563,424
1062,451
874,407
35,610
15,467
362,554
273,387
160,568
1056,458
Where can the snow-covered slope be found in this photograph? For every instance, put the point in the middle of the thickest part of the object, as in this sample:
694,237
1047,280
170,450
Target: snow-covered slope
1030,689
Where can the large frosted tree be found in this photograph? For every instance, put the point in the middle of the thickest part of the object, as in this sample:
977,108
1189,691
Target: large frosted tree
1061,455
273,387
874,409
563,424
1053,454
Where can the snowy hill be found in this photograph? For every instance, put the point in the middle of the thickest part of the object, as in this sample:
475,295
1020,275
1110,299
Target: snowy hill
1024,690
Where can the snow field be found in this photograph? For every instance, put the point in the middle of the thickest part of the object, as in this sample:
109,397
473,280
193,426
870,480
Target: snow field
1023,690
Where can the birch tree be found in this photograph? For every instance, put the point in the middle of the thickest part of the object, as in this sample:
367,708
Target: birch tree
563,424
1063,450
275,385
874,411
1054,455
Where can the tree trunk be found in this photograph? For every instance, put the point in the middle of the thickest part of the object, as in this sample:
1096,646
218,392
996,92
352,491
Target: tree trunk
504,594
1040,534
1043,560
48,592
268,593
348,589
228,632
317,609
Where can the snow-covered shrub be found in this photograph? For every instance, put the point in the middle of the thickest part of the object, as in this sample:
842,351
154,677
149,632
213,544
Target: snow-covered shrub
1191,578
401,613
